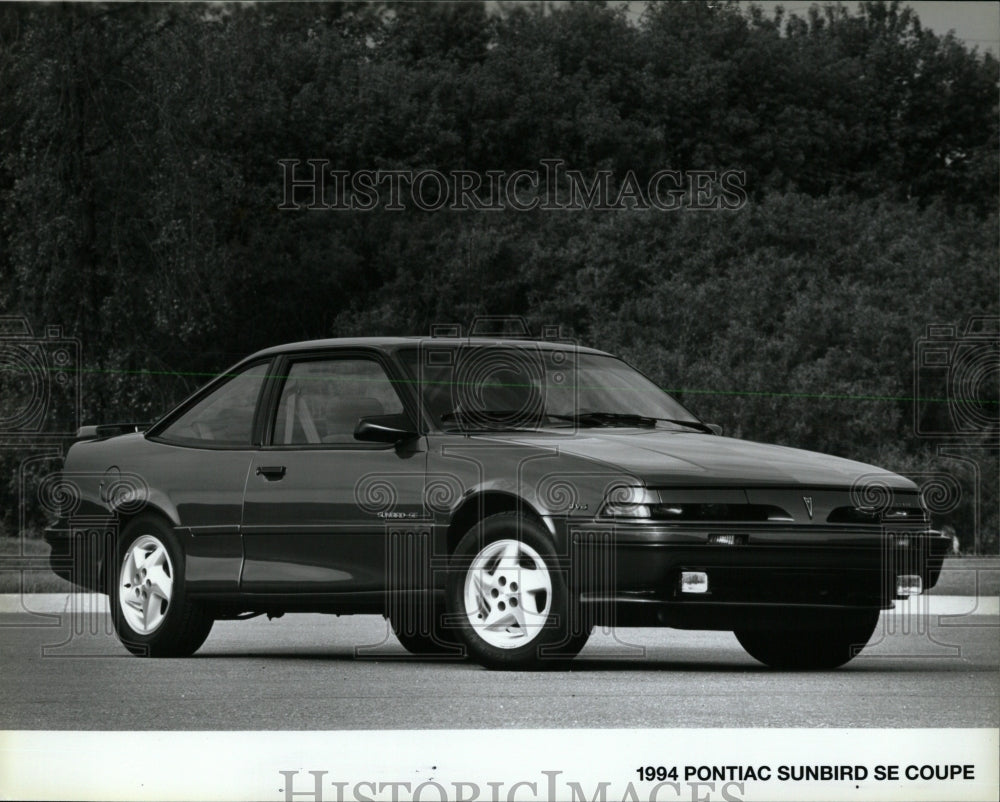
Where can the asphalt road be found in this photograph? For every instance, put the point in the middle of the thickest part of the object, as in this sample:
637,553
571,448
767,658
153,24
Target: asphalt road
304,672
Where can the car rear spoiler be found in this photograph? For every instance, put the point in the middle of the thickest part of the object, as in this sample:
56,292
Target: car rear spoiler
103,431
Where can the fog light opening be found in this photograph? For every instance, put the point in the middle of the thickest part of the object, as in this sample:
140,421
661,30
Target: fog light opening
694,582
909,585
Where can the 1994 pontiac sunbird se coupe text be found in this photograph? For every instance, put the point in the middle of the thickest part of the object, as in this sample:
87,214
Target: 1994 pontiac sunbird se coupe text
496,498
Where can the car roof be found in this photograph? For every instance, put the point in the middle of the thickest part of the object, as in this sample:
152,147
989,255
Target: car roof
392,343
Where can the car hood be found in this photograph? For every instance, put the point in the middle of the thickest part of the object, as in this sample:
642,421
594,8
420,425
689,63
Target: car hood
675,458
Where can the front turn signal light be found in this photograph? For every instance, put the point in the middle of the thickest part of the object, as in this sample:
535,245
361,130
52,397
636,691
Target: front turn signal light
694,582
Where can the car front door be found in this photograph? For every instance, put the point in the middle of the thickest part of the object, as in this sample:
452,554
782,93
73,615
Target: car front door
320,505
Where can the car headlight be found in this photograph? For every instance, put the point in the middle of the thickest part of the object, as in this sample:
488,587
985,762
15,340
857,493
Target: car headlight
642,504
629,502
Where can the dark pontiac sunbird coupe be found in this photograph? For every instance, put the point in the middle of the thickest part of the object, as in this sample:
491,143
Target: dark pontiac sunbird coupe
494,498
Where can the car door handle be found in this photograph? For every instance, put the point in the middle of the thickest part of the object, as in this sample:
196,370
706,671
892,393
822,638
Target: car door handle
271,472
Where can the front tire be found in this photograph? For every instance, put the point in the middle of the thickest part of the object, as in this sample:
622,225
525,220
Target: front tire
510,598
825,646
150,610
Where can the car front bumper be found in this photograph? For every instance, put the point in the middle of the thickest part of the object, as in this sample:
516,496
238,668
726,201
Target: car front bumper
632,575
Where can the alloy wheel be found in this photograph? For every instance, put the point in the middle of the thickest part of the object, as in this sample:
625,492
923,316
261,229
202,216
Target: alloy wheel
508,594
145,584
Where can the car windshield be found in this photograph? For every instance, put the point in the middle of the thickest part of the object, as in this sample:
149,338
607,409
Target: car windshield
527,387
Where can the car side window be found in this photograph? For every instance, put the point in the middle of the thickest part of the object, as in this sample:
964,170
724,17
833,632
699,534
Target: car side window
323,399
223,417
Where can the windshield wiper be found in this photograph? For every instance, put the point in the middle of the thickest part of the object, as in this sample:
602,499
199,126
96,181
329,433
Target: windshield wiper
626,419
694,424
607,419
519,419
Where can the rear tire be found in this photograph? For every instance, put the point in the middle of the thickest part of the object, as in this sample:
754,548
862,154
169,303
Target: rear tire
150,610
509,596
827,645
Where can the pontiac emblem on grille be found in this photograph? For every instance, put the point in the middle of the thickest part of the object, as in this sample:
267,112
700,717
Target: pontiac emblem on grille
809,505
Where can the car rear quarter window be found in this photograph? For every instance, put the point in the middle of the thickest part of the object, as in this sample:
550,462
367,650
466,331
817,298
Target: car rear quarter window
224,417
322,400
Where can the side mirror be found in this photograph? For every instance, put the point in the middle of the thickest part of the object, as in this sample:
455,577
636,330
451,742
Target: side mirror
384,429
715,427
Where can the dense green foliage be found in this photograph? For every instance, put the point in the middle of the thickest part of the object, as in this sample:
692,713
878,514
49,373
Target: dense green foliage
140,183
